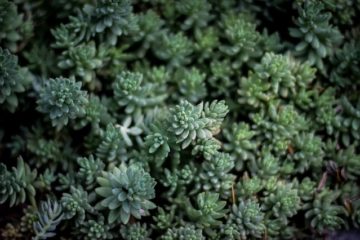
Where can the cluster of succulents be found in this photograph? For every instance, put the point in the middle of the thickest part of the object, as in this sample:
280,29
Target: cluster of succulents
179,119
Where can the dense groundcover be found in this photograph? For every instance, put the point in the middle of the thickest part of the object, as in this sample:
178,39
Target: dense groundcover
179,119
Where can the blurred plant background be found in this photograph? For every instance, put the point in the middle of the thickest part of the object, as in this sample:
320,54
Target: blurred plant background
179,119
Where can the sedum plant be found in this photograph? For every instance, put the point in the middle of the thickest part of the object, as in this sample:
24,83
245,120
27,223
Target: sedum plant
12,80
184,232
18,184
62,99
323,213
246,219
317,35
93,229
111,18
167,119
135,232
13,24
49,216
208,209
127,192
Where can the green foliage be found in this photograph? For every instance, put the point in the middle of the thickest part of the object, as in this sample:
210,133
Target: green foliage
191,84
76,204
276,69
215,175
207,147
185,232
126,192
317,35
10,232
95,229
246,219
344,71
157,144
196,12
248,187
349,160
163,220
129,92
12,80
308,152
344,10
17,185
89,169
284,203
112,145
49,216
215,112
323,213
173,48
241,37
28,219
135,232
112,18
44,150
62,99
277,75
167,119
349,120
150,24
188,122
83,59
266,165
206,42
241,143
208,210
96,114
307,189
12,24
